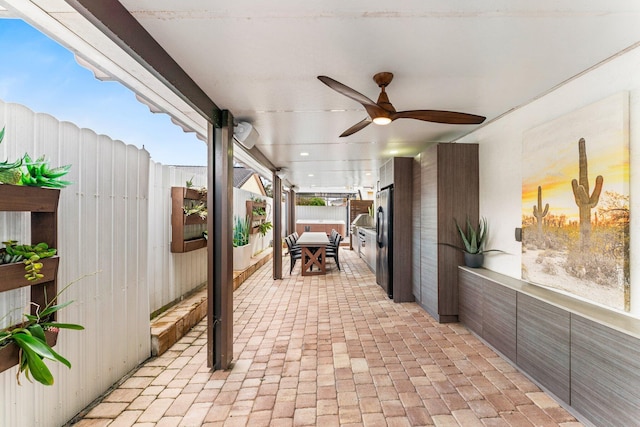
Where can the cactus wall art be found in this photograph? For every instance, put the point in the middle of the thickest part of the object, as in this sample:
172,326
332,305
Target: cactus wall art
575,203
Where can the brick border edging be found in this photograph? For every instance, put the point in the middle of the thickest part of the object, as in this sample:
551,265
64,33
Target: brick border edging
173,324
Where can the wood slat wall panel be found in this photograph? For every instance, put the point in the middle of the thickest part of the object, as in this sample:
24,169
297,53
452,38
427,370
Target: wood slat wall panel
499,318
605,373
543,337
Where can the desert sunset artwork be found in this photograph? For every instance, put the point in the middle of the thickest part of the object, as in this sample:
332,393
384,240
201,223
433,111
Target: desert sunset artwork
575,203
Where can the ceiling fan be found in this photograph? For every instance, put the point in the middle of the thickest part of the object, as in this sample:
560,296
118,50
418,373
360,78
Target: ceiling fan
383,113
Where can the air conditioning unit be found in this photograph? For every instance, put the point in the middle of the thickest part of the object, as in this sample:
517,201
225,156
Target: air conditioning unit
245,134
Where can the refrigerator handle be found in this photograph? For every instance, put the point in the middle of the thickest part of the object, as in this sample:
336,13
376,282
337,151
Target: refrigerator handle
379,219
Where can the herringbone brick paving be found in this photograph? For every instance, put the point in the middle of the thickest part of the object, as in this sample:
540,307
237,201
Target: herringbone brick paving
329,351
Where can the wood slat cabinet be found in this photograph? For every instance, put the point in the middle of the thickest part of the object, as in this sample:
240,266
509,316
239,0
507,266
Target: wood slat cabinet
42,204
586,355
448,190
186,230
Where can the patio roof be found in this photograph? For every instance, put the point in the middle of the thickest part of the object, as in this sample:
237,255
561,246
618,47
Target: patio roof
260,62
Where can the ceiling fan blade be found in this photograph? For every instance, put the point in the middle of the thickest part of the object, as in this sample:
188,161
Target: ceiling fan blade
347,91
355,128
437,116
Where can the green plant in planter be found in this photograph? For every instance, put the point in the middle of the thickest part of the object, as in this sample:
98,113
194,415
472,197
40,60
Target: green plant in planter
30,255
264,227
40,174
36,173
473,238
258,211
193,208
31,340
241,231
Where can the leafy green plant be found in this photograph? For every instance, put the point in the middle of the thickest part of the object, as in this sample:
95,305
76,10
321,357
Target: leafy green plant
264,227
241,230
311,201
258,211
199,209
30,255
40,174
26,171
31,340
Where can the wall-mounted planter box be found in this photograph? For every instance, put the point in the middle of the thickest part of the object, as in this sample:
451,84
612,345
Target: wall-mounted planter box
13,274
10,353
180,222
42,204
255,220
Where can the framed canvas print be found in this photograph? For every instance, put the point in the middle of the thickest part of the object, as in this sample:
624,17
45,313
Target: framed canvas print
575,203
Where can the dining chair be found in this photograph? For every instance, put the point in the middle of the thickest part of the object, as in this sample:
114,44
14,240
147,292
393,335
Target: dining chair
294,254
333,248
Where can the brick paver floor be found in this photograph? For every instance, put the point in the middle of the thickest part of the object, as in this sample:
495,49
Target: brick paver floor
329,351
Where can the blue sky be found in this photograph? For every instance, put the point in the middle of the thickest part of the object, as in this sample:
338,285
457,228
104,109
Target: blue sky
42,75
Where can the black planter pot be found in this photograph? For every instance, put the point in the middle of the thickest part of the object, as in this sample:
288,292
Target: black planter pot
473,260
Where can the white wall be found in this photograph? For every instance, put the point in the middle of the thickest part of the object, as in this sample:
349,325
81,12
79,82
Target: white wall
501,157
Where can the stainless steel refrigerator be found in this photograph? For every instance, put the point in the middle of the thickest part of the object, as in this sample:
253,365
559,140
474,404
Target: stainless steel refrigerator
384,239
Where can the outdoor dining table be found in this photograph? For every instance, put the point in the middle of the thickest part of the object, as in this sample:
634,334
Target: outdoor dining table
313,246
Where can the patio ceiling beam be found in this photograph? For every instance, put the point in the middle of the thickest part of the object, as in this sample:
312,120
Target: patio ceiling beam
123,29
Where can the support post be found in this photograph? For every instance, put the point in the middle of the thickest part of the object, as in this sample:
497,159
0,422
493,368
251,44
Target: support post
277,227
219,245
292,210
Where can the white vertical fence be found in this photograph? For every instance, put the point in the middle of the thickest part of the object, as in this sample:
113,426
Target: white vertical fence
331,213
171,275
114,224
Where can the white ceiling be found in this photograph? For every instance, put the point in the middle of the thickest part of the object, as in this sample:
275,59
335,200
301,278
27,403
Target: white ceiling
260,61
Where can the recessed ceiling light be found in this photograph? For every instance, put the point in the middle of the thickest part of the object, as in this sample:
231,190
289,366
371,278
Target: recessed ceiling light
368,174
304,153
393,152
310,174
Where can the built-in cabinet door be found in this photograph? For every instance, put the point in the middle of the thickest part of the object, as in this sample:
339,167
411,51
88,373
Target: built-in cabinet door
605,373
429,231
448,192
543,344
416,217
